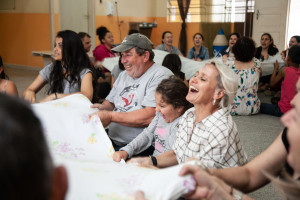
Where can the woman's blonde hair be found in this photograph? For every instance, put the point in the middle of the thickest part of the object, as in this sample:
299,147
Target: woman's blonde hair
287,186
227,81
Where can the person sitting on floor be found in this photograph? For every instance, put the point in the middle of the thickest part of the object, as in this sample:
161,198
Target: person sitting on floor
170,105
247,70
290,76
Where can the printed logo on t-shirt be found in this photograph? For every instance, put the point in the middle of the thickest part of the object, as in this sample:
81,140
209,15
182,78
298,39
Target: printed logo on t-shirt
159,137
128,98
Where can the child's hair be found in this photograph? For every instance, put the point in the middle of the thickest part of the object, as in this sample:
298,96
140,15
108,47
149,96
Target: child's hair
294,54
173,63
173,91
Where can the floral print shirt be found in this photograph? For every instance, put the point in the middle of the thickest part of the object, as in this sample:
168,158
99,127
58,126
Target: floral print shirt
246,101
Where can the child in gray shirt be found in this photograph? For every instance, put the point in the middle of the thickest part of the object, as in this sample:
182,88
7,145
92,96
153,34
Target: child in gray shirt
161,133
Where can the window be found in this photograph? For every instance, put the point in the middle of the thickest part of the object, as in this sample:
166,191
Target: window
212,10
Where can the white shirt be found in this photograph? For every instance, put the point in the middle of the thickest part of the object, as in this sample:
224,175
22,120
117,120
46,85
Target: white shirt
214,140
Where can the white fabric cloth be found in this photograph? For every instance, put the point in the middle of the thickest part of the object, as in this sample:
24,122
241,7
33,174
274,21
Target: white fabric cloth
80,143
214,140
267,66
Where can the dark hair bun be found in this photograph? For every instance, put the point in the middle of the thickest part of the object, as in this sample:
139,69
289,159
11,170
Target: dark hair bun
102,30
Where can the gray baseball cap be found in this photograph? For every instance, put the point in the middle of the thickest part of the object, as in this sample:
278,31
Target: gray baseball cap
134,40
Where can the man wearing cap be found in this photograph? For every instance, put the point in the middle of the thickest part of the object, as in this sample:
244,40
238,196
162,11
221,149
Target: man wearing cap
130,106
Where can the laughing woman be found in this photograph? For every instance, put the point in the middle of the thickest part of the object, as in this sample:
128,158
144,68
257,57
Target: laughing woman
70,73
207,131
198,52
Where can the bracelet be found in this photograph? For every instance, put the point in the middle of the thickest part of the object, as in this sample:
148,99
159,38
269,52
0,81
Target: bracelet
55,95
154,161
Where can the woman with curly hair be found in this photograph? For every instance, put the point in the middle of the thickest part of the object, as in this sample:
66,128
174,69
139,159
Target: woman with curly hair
70,73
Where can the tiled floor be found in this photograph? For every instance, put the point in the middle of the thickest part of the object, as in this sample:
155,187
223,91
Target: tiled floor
257,132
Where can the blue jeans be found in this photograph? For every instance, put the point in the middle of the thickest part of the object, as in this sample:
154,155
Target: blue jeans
270,109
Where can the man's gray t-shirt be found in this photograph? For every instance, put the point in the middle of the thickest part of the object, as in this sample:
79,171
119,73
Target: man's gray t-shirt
159,133
173,49
129,94
46,71
116,71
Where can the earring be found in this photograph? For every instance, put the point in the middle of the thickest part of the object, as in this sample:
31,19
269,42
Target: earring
214,102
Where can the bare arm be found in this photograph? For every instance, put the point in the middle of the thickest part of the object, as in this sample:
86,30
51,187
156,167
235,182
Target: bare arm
275,79
87,86
207,186
11,89
86,89
250,177
34,87
136,118
106,105
164,160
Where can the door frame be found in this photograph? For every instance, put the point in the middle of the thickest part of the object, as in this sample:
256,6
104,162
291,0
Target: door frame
91,21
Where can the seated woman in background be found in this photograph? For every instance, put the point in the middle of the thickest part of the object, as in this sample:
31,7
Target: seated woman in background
100,52
70,73
6,86
295,40
170,105
247,69
290,76
281,159
206,131
263,52
104,49
173,63
227,52
267,47
198,52
167,40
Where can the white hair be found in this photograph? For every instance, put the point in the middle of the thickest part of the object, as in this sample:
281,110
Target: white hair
227,81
